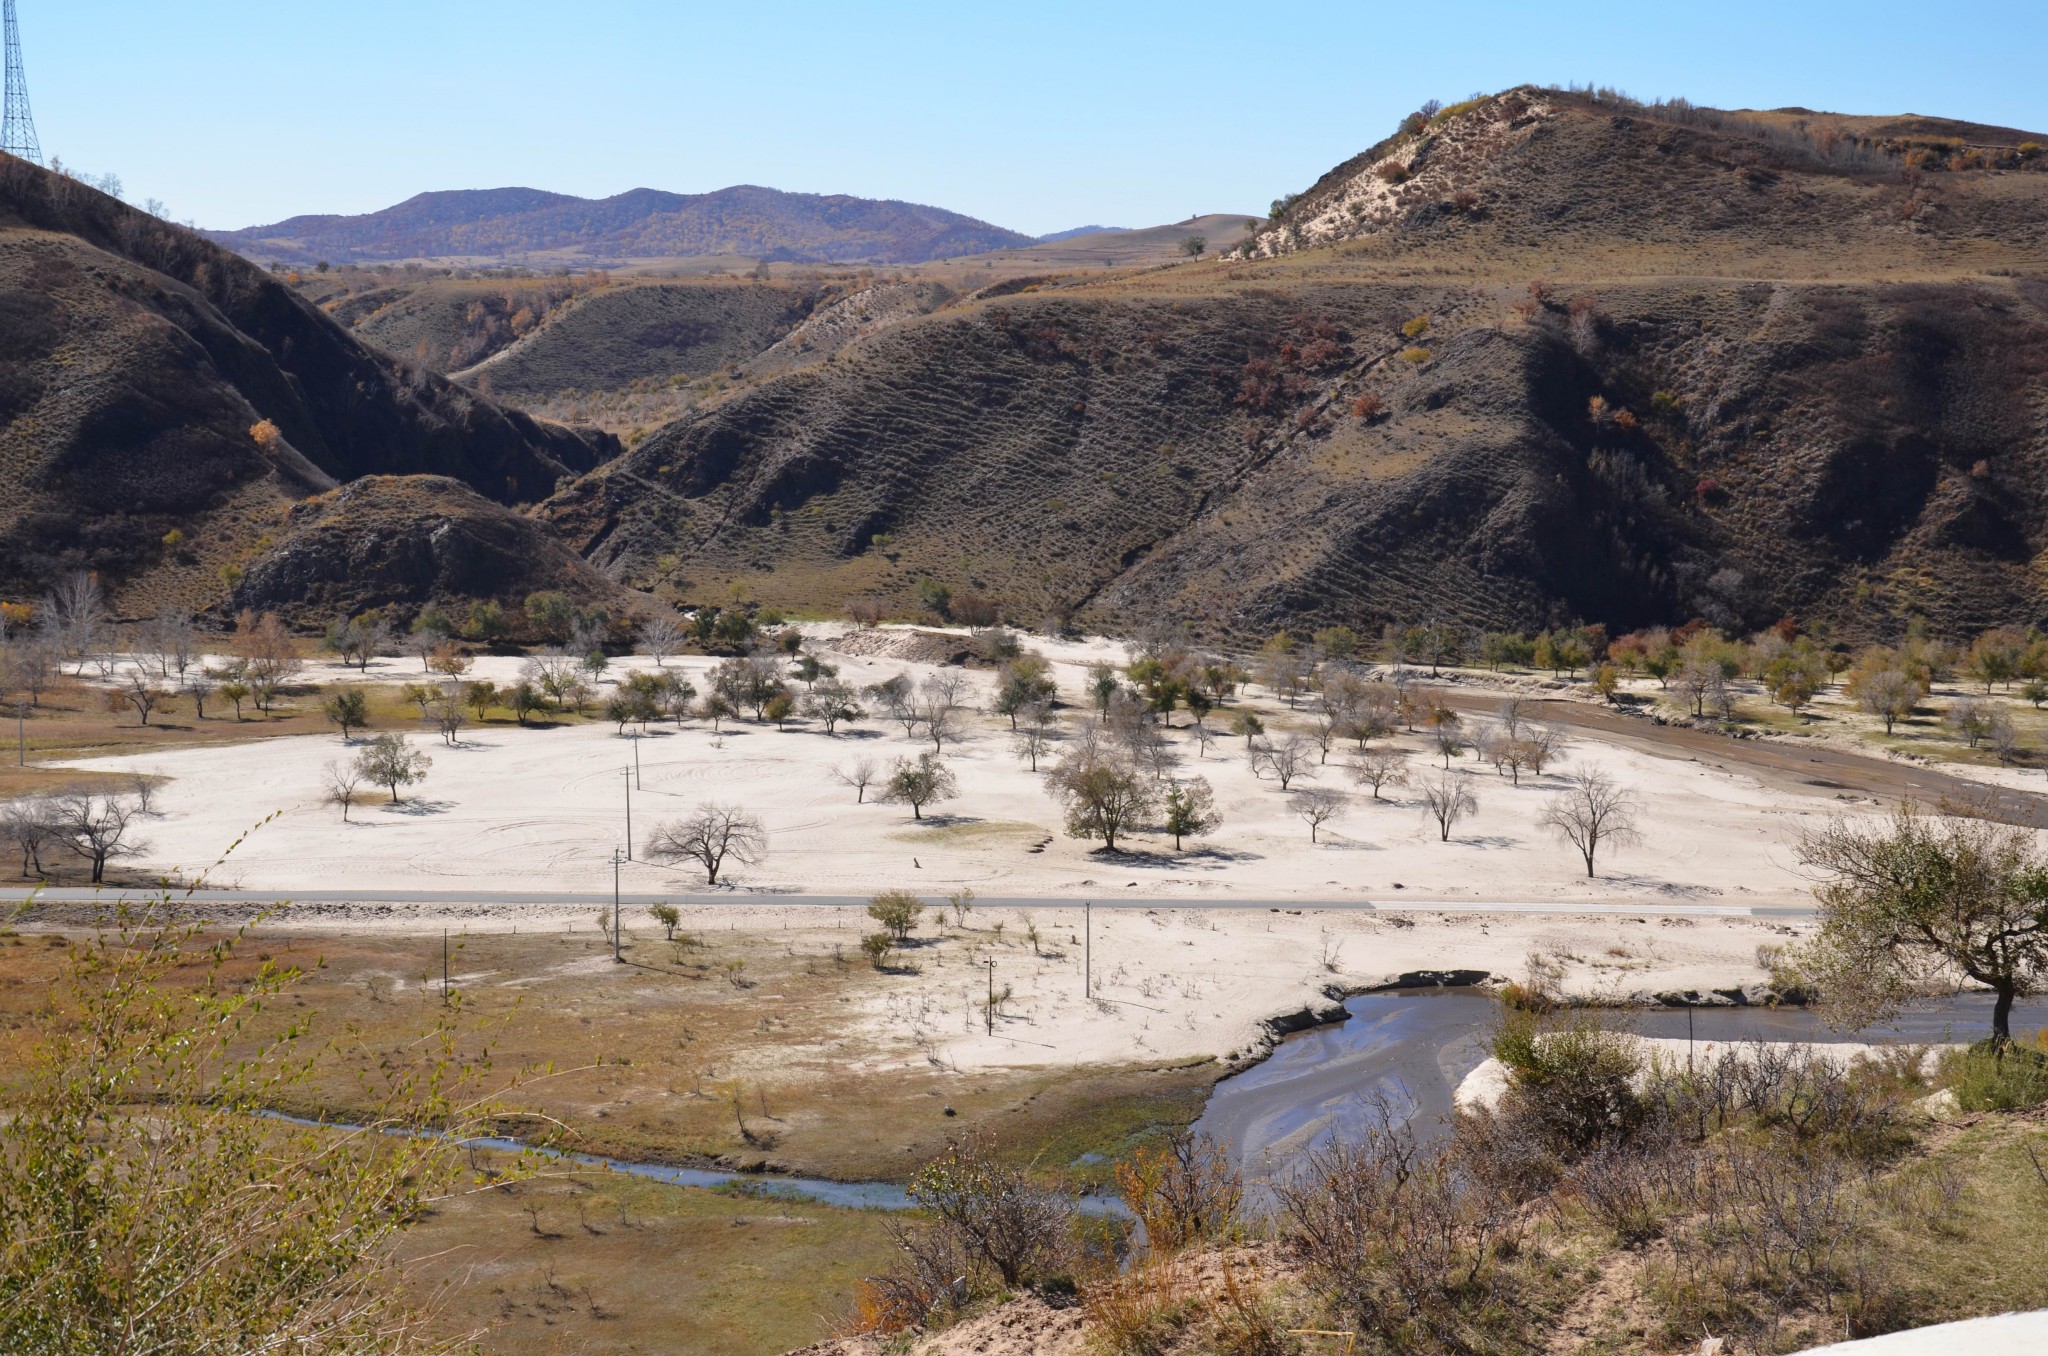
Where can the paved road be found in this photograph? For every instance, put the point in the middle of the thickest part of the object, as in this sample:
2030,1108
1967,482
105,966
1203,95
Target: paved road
1809,768
313,898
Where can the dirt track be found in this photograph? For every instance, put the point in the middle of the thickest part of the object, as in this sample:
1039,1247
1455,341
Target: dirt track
1814,769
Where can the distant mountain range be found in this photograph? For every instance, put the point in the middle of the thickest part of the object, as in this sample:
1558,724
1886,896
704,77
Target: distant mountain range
1058,236
511,225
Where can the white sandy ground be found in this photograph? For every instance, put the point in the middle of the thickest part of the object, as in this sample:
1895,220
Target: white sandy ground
514,809
2001,1335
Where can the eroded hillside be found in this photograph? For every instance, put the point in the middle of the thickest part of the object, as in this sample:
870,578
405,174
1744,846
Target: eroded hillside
1657,369
137,363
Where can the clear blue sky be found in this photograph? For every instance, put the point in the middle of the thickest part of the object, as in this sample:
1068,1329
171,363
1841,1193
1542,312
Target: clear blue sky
1035,116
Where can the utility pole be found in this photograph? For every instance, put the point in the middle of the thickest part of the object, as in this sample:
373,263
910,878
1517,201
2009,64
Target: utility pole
1087,948
627,773
444,967
617,858
636,764
21,733
991,1010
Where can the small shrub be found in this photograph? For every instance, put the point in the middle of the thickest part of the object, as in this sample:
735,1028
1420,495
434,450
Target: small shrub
1417,356
1391,171
1368,406
1993,1077
1415,327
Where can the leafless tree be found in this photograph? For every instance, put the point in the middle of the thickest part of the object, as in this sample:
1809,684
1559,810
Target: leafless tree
94,826
1969,718
1034,736
661,638
710,836
29,826
199,685
78,614
1590,811
860,775
140,691
1513,713
897,697
1379,768
1448,799
2004,739
1317,806
339,783
941,721
1448,740
448,713
1285,762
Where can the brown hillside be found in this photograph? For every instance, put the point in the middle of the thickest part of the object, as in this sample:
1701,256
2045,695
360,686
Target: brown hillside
1820,379
135,359
390,542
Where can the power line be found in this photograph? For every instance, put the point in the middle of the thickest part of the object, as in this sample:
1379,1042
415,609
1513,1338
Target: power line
18,129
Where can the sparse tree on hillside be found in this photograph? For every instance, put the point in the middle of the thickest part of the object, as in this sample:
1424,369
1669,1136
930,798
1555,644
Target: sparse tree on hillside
860,775
1592,811
1317,806
388,761
1194,246
1104,796
832,703
661,638
1448,799
140,691
347,708
1034,736
898,911
339,783
1189,810
925,781
1285,762
1914,902
1378,768
710,836
94,826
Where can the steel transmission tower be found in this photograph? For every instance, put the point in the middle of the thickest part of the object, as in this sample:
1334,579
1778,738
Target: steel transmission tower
18,130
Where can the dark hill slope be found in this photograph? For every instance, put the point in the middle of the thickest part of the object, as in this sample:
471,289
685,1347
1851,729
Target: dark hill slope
134,360
623,334
644,223
1833,385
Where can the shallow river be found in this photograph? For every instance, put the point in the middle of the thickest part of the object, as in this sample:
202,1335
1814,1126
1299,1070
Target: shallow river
1407,1051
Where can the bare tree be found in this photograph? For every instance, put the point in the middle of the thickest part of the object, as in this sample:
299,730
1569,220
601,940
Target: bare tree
1317,806
1513,713
860,775
897,697
339,783
29,825
1447,800
200,684
710,836
1285,761
1379,768
1449,741
1590,811
1889,694
78,613
1034,733
140,691
941,721
448,713
93,825
661,638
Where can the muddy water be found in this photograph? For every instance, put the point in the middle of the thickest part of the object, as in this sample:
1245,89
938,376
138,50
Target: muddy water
1402,1055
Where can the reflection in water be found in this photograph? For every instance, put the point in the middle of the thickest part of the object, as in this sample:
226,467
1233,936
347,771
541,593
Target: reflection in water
1403,1054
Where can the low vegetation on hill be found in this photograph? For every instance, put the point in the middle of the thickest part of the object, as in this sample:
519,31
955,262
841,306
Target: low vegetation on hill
1664,367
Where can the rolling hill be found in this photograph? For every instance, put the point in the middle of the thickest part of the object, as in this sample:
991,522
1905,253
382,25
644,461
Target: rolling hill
164,404
521,225
1571,357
